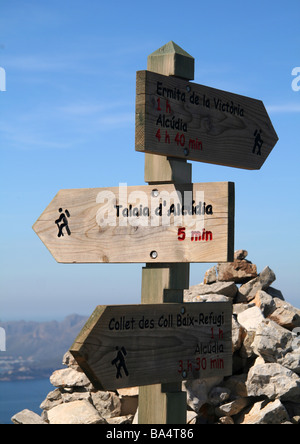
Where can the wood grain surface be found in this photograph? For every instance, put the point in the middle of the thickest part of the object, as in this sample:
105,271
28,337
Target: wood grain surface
181,119
136,345
132,225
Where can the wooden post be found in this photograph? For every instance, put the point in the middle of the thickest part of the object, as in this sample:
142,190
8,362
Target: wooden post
165,404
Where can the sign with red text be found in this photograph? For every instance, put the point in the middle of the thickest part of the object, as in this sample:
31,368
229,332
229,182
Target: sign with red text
181,119
141,224
135,345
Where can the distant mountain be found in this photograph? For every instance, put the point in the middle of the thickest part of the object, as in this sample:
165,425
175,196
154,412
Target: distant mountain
35,349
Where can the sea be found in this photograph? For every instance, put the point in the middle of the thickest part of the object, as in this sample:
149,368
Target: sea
16,396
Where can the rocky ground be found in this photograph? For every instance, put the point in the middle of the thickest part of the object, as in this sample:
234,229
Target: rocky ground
265,384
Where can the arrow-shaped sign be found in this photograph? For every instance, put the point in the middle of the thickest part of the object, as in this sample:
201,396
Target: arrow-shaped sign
166,223
135,345
178,118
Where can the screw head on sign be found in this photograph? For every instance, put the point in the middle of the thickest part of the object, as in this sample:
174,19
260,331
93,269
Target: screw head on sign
153,254
186,151
155,193
184,374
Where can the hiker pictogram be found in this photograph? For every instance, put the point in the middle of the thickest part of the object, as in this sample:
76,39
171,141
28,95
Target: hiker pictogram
258,142
119,362
62,222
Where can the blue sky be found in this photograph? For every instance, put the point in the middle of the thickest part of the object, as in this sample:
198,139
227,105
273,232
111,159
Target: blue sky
67,120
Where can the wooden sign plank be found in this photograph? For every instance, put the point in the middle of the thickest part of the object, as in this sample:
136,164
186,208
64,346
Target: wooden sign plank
136,345
178,118
161,223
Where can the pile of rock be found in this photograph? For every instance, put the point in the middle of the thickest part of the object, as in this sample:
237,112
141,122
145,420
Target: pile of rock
265,385
76,401
263,389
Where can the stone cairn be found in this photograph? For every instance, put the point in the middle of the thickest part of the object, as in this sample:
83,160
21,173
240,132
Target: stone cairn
265,384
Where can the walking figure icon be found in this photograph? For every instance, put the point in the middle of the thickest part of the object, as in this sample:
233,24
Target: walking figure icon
62,222
119,362
258,142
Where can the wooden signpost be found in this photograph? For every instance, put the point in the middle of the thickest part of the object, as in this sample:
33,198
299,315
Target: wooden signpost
181,119
163,223
135,345
167,225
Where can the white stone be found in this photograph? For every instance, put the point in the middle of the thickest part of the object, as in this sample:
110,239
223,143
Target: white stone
69,377
77,412
27,417
251,319
272,413
273,381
